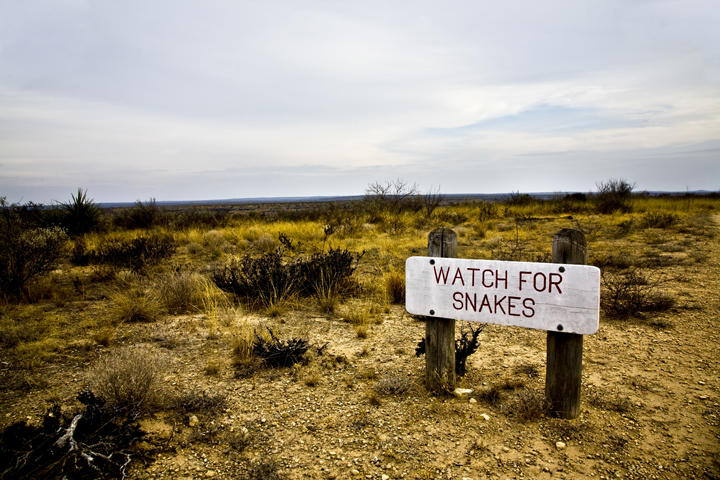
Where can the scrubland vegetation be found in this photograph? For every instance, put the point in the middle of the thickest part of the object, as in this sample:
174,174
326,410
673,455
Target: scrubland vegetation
102,310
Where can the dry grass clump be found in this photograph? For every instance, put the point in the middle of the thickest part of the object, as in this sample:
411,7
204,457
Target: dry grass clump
242,341
134,305
181,292
129,378
395,286
528,405
393,385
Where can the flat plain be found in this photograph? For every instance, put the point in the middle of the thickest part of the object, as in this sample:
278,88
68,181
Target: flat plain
355,405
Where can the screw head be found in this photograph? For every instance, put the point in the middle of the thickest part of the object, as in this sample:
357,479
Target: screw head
432,262
562,269
560,328
432,312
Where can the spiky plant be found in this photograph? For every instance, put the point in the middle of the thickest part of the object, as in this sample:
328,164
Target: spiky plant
82,214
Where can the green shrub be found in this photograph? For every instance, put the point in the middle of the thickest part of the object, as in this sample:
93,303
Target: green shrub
25,251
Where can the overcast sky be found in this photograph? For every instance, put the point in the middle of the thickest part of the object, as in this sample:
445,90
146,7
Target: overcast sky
181,100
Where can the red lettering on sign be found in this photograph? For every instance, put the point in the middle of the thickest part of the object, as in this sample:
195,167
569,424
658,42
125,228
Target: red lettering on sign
472,303
485,303
458,275
443,274
458,303
511,305
498,279
535,282
522,280
556,283
473,270
498,303
483,279
528,307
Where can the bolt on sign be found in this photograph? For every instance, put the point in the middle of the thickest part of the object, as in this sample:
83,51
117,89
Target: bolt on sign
544,296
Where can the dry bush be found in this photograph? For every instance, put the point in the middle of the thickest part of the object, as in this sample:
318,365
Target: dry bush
181,292
264,470
281,353
274,277
393,385
327,303
613,195
129,379
528,405
632,291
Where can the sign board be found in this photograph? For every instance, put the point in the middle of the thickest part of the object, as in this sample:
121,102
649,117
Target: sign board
544,296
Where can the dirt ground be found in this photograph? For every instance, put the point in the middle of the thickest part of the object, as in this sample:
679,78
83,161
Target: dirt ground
650,401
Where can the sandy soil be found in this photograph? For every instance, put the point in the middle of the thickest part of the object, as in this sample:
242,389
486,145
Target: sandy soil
650,402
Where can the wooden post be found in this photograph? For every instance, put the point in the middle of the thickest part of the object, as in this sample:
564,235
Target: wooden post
440,332
563,376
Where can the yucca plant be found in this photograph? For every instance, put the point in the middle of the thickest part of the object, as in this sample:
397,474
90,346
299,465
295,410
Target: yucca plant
82,215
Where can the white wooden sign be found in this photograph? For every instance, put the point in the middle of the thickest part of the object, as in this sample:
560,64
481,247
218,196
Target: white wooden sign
544,296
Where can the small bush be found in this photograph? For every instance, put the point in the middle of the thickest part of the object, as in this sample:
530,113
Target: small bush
609,401
129,379
613,196
192,401
464,347
528,405
281,353
272,278
631,291
356,315
264,470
